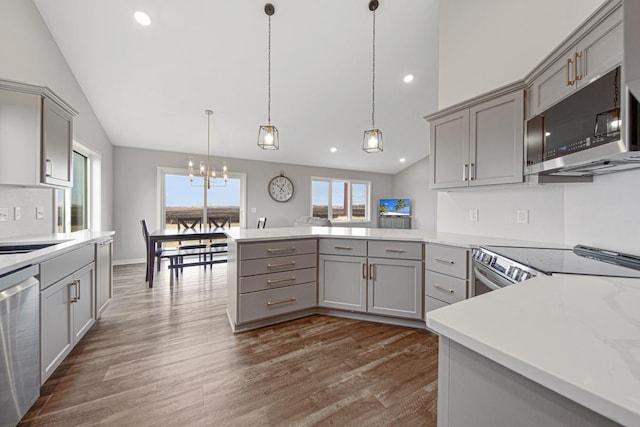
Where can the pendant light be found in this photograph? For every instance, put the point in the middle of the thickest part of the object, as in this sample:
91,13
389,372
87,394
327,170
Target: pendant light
268,134
372,141
206,170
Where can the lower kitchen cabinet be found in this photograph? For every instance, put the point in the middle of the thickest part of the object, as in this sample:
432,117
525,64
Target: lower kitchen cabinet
343,282
67,308
104,275
446,276
395,287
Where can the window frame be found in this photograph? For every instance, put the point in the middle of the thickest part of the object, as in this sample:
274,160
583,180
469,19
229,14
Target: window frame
348,208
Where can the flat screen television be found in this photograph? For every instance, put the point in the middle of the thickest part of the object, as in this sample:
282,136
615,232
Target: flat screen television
394,207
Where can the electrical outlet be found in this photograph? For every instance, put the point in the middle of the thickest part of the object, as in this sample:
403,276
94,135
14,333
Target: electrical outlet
4,214
17,213
473,215
522,216
39,213
254,210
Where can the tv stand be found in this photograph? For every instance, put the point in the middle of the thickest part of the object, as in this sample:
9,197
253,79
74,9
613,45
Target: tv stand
390,221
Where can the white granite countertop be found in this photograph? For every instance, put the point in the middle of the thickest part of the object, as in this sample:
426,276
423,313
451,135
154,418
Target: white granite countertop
576,335
256,235
64,242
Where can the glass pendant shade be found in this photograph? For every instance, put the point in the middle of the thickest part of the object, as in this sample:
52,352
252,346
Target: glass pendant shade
372,141
268,138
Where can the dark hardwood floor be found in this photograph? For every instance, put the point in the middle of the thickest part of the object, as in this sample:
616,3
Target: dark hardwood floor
166,356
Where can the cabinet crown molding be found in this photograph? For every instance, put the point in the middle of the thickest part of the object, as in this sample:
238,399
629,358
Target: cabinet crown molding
39,91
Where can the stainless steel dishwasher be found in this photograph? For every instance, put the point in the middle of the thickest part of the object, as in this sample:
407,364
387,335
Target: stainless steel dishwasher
19,343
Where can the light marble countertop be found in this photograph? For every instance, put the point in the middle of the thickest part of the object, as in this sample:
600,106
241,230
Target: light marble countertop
64,242
467,241
576,335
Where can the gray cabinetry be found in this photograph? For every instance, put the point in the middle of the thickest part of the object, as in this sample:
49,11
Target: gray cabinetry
67,305
104,275
395,287
592,52
447,275
36,136
480,143
343,282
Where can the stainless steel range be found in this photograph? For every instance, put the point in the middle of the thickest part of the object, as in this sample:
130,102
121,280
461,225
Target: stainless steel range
495,267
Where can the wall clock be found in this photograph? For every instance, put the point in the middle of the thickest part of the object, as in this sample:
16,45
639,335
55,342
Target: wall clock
281,188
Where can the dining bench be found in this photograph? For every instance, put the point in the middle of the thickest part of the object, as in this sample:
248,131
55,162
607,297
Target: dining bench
214,253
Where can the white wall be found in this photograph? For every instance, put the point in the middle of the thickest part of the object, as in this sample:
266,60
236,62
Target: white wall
413,183
136,183
29,54
489,43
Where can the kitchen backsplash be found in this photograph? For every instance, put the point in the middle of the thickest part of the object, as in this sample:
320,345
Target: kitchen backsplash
27,199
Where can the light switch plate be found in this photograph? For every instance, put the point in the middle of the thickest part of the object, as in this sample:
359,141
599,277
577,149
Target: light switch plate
17,213
522,216
4,214
473,215
254,210
39,213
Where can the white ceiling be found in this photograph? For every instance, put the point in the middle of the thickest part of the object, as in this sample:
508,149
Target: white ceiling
149,86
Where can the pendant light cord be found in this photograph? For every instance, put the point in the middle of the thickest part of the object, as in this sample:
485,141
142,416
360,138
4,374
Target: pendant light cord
373,80
269,78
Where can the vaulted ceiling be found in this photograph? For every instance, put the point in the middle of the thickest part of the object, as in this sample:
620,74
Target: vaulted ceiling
149,86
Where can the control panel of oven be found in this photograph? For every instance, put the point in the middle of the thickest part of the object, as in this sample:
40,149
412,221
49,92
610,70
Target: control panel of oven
510,269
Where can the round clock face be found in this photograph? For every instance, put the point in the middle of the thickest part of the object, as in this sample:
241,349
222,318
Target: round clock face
281,188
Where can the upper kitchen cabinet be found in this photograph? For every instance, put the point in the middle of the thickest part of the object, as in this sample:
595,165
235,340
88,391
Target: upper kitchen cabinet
36,136
594,49
479,142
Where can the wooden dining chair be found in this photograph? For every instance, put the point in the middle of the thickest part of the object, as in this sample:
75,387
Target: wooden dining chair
219,222
262,222
193,224
157,252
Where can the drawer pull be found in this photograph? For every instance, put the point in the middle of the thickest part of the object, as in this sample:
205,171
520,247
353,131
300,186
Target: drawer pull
397,251
284,301
282,264
446,261
276,250
345,248
442,289
273,282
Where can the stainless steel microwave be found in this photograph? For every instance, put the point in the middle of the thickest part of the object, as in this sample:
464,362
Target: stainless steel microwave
587,133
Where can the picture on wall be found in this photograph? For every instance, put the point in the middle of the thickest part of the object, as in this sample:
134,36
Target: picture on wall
394,207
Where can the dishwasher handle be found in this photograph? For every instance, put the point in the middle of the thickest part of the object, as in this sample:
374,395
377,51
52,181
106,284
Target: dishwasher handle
18,287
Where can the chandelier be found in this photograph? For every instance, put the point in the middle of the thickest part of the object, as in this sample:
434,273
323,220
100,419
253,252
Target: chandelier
208,173
372,141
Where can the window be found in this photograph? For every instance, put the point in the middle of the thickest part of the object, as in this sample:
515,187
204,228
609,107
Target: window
72,204
340,200
183,200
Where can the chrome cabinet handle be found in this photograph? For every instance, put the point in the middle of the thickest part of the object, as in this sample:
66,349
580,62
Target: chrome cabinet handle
291,249
442,289
282,264
576,76
49,166
79,287
284,301
464,172
472,172
364,271
371,271
106,242
75,297
569,81
273,282
446,261
397,251
346,248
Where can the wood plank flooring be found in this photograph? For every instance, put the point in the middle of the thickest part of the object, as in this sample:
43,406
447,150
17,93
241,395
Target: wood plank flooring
166,356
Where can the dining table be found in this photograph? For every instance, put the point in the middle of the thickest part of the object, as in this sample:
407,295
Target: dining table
174,235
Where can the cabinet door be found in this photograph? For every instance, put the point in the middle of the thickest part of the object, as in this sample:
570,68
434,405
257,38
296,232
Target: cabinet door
56,337
450,150
343,282
496,140
84,308
601,50
395,288
553,84
104,275
57,144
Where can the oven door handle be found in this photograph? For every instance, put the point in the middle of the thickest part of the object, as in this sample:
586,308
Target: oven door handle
485,280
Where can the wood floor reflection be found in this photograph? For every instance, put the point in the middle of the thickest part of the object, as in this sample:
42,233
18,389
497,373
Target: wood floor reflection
166,356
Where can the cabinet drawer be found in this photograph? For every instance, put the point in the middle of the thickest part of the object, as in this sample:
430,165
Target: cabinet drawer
445,288
447,259
55,269
397,250
272,302
277,264
276,280
277,248
343,247
431,303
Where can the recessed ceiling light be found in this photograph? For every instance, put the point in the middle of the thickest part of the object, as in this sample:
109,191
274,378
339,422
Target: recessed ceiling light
408,78
333,149
402,160
142,18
